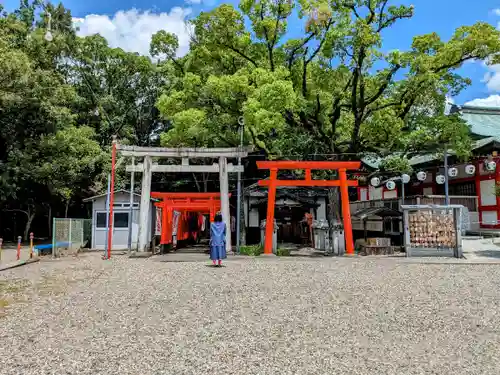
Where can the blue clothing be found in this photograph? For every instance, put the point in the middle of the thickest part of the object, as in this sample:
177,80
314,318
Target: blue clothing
218,241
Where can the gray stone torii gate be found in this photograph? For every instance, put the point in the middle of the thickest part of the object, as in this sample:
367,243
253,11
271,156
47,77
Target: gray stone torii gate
147,168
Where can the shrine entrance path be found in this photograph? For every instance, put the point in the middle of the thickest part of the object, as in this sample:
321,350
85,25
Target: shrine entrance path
260,315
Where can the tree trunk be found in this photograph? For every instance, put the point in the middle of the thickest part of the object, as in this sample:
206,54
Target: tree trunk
205,182
14,232
28,225
50,221
67,208
197,183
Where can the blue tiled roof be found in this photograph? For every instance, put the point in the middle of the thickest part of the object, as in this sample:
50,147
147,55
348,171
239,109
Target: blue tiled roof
484,122
374,162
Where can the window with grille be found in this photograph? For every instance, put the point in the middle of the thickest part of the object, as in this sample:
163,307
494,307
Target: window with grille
465,188
462,188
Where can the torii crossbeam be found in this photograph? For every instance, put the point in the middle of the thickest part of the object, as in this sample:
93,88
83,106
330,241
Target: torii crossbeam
308,166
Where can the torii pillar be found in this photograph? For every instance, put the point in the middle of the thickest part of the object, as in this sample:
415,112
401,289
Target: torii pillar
144,212
224,199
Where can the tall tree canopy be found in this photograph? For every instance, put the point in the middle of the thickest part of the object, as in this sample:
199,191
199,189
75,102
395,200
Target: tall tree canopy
61,100
333,89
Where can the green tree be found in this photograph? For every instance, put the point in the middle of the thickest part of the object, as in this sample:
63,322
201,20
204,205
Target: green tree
45,161
117,91
333,84
67,161
34,100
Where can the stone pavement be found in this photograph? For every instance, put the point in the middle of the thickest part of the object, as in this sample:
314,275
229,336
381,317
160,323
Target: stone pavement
481,250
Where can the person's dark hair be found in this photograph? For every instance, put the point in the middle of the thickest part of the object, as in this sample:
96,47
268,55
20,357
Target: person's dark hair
218,218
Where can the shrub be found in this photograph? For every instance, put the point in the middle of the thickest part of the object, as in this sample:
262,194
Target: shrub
283,252
253,250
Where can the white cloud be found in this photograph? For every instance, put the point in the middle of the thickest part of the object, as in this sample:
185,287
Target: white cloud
131,30
492,78
491,101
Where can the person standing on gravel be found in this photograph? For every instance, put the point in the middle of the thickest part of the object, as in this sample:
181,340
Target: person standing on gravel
217,240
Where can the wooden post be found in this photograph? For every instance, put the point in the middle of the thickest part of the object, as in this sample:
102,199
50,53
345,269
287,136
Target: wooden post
165,230
271,197
18,255
477,180
212,212
144,211
308,175
346,212
224,199
32,236
170,225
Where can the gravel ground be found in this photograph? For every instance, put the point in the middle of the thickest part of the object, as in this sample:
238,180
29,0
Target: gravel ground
9,254
263,316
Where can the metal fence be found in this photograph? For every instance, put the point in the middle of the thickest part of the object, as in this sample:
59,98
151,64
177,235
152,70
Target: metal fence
70,235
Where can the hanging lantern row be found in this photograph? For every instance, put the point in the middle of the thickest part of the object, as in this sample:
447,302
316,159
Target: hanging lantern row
470,169
390,185
489,165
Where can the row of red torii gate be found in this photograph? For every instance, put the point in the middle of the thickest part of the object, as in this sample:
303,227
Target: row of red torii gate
210,203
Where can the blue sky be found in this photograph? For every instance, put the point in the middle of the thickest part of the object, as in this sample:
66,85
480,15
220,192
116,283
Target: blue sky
130,23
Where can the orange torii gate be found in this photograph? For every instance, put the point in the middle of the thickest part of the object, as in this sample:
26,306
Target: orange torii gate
205,203
307,166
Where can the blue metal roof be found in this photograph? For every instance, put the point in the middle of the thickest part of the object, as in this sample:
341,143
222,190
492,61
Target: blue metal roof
374,162
484,122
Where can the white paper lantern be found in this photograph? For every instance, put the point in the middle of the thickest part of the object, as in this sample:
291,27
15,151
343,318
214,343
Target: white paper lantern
421,176
440,179
375,181
470,169
391,185
405,178
453,172
490,165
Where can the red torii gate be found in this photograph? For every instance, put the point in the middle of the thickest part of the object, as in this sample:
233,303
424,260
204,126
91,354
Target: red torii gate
307,166
205,203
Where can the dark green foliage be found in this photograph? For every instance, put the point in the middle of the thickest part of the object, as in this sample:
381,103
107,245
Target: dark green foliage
253,250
